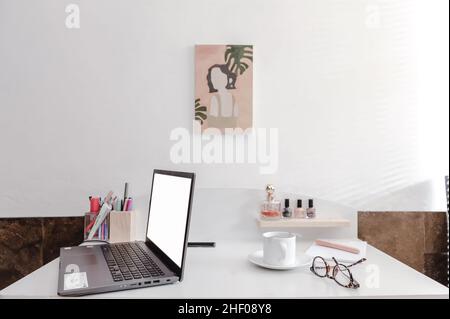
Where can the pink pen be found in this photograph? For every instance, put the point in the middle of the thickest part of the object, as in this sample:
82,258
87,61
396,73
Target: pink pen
130,204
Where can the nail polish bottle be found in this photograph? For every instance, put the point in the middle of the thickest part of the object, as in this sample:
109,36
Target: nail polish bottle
270,208
311,211
299,212
287,212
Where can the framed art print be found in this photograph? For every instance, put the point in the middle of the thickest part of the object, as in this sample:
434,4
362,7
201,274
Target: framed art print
224,86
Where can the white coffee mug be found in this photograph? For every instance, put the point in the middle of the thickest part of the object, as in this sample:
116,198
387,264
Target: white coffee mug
279,248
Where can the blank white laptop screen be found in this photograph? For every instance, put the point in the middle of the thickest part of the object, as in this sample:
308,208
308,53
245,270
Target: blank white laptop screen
168,214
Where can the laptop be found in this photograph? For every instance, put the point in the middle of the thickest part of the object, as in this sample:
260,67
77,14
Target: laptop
158,260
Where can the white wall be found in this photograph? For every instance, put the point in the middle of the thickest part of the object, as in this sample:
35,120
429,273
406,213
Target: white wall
360,120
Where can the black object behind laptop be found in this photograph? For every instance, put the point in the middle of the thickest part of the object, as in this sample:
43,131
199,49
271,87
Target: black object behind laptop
157,261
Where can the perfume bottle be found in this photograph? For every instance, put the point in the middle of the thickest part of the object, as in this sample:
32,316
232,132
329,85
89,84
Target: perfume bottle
287,212
311,211
299,212
271,208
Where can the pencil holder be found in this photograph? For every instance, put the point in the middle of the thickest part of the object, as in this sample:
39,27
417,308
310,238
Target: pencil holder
122,226
102,232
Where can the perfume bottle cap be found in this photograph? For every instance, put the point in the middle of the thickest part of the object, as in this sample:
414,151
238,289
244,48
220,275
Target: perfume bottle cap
310,203
299,203
286,202
270,189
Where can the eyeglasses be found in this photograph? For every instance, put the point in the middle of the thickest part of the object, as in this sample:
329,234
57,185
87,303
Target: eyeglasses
340,273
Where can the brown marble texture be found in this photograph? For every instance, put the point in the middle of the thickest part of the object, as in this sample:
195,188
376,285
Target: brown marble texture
436,266
435,233
60,232
418,239
28,243
20,248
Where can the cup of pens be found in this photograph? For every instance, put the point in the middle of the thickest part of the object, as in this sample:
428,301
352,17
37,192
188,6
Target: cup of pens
111,219
102,233
96,222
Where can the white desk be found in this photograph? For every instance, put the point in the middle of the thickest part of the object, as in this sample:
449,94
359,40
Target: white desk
225,272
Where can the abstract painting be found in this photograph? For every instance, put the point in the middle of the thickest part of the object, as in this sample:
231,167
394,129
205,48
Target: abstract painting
224,86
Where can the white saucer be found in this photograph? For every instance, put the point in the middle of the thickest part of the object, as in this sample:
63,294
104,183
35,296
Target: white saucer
257,258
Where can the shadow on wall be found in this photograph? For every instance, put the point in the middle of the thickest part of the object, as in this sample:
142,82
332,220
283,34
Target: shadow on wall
408,198
29,243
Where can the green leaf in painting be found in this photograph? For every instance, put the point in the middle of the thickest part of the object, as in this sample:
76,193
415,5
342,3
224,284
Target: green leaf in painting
200,115
200,111
235,55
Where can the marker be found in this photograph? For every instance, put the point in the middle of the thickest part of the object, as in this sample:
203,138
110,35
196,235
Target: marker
117,204
129,204
125,195
94,204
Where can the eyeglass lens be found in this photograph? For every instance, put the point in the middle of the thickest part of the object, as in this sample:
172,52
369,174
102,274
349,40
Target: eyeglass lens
342,275
320,267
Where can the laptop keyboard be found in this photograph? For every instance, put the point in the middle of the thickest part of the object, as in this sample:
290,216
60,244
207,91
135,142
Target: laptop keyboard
129,261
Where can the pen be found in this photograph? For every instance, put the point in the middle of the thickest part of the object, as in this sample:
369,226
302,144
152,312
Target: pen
117,205
129,204
125,195
201,244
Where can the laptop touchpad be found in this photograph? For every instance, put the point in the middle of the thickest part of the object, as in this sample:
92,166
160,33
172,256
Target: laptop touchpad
83,259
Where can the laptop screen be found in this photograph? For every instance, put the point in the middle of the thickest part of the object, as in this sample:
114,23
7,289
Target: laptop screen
168,214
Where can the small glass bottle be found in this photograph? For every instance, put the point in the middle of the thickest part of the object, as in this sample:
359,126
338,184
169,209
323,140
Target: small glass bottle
287,212
271,208
311,211
299,212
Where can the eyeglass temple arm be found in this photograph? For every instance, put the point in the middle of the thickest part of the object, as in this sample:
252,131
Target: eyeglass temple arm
358,262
